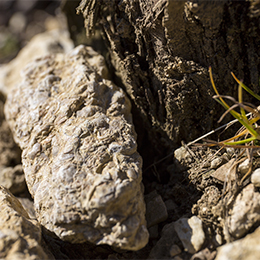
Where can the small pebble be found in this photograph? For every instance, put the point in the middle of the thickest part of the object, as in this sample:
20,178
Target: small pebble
181,154
255,178
244,166
216,163
191,234
218,239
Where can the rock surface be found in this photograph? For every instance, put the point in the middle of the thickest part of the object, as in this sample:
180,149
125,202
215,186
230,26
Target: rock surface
255,178
79,151
245,212
55,41
20,237
246,248
191,233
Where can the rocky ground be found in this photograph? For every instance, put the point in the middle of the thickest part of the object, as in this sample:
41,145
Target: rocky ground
202,209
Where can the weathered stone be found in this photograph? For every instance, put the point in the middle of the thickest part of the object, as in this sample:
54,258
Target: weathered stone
245,212
46,43
191,234
255,178
215,163
246,248
204,254
226,172
156,211
162,249
20,236
79,150
12,178
244,167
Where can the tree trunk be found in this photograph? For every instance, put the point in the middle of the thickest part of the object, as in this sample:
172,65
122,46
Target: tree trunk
161,51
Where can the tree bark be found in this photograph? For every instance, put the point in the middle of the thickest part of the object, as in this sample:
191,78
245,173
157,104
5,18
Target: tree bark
161,51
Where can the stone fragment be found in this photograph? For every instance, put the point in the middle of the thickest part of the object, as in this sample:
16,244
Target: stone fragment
191,234
246,248
174,250
156,210
79,151
46,43
182,158
245,212
215,163
162,249
13,179
204,254
226,172
20,236
244,166
255,178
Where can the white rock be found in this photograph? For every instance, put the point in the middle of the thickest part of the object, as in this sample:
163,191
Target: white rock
20,236
191,234
216,163
247,248
244,166
79,147
181,153
42,44
245,212
255,178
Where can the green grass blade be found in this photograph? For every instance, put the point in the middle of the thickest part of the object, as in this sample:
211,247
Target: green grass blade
241,141
245,87
241,121
240,100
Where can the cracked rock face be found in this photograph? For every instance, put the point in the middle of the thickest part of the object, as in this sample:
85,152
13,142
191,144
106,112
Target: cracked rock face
79,150
20,236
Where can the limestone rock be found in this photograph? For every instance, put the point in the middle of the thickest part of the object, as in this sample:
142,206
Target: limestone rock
79,150
255,178
245,212
246,248
20,237
191,233
49,42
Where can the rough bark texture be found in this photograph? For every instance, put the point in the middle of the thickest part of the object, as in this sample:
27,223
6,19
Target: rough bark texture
161,51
